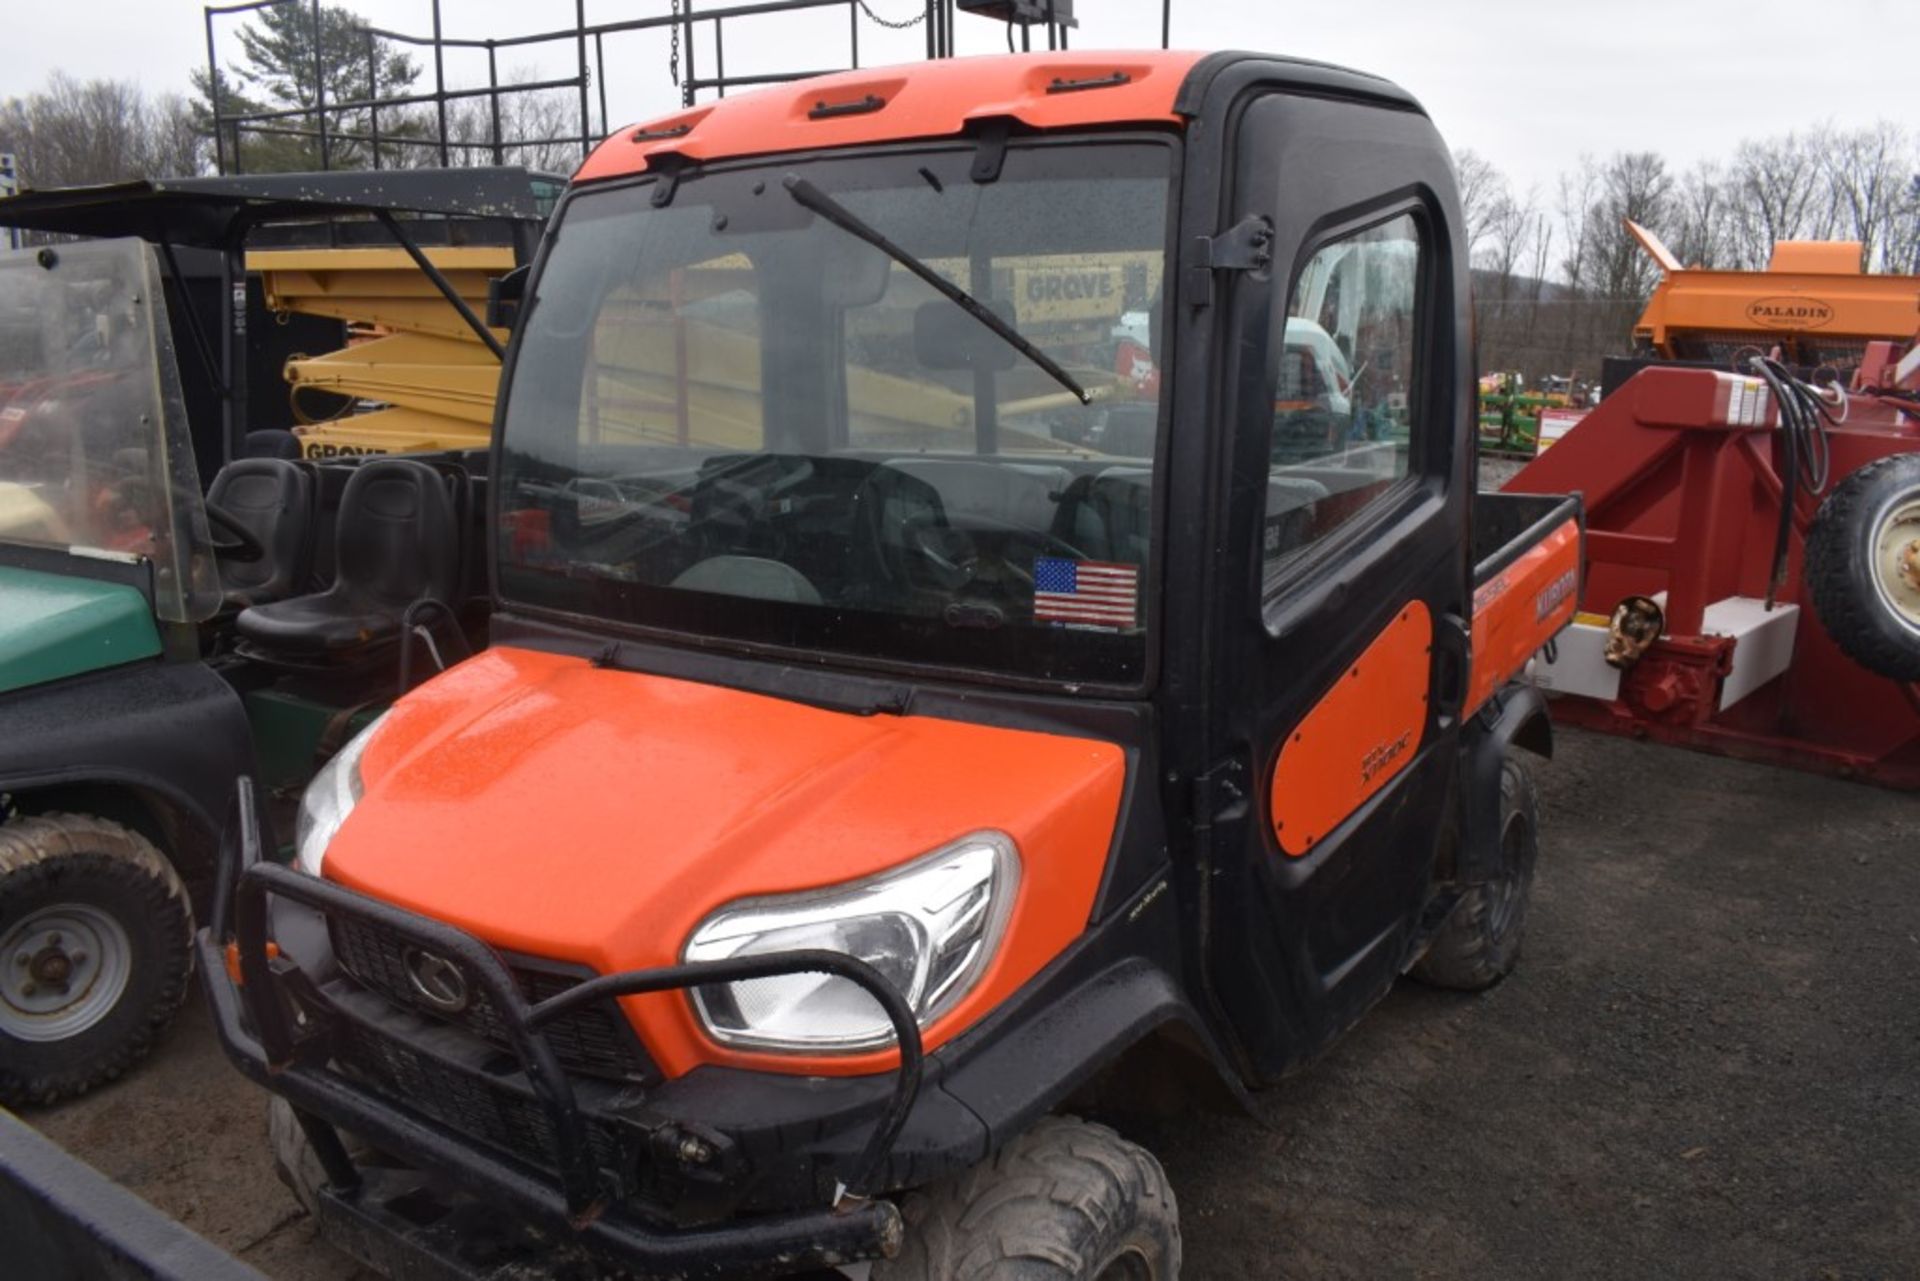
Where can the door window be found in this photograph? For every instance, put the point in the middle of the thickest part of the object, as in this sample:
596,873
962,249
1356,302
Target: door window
1344,403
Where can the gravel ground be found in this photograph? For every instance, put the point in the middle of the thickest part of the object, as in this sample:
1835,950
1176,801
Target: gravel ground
1707,1065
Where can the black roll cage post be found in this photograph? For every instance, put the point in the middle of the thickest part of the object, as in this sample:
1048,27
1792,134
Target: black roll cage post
311,122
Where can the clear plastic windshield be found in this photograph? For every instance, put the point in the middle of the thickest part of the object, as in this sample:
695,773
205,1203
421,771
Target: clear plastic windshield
95,455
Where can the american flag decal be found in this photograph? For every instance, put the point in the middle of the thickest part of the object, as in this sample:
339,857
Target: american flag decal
1084,591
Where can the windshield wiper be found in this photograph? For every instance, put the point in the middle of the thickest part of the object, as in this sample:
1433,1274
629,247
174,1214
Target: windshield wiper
810,196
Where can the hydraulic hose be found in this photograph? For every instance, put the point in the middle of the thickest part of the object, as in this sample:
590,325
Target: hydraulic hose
1805,412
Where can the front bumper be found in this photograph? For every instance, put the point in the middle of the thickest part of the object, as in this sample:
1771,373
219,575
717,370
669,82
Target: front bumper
285,1031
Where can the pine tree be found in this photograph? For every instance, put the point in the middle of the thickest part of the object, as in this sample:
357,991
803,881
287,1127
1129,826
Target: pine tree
277,71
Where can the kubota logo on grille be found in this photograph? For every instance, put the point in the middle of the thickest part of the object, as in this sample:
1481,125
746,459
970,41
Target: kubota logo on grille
437,981
1787,312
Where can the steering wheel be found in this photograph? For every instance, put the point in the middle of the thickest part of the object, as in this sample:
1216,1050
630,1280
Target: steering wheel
947,554
956,560
238,544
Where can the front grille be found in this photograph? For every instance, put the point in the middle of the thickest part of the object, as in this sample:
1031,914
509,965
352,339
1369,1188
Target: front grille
487,1111
595,1040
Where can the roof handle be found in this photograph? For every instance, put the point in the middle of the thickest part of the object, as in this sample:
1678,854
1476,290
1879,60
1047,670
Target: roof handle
1114,81
659,135
858,107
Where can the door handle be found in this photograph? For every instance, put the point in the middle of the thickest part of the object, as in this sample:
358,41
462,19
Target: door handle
1452,664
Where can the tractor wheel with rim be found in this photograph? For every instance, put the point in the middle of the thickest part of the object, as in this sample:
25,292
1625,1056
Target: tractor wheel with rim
95,953
1479,943
1066,1201
1863,566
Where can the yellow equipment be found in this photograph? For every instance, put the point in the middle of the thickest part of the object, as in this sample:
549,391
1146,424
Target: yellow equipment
432,378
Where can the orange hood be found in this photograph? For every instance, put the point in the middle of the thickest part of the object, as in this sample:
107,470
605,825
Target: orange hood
596,816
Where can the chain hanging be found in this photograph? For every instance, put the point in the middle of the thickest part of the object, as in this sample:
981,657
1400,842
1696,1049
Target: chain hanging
673,54
877,20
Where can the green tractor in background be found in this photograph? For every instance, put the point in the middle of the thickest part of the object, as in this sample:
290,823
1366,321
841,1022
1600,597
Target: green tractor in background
157,640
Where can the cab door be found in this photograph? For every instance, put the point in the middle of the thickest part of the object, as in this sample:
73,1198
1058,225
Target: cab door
1346,390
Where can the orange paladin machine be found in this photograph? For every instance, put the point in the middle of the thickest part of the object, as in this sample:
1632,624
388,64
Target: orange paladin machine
1812,301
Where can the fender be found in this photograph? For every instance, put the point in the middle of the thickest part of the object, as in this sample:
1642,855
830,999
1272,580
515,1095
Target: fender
1107,995
174,732
1514,717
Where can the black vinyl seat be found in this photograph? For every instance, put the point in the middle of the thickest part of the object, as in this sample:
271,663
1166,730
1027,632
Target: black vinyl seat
1108,514
272,499
396,542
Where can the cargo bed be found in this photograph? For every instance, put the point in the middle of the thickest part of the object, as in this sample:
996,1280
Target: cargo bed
1526,583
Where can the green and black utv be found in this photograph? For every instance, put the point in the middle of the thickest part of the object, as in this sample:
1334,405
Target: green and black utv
158,640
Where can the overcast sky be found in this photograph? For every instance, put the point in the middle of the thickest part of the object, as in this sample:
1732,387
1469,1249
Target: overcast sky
1528,83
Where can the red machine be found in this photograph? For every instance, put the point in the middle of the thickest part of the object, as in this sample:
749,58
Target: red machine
1811,660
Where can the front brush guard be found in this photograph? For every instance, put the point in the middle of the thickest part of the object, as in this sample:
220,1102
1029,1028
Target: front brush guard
269,1051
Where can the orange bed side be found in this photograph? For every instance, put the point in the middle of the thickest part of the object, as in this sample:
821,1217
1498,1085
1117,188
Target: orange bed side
1520,609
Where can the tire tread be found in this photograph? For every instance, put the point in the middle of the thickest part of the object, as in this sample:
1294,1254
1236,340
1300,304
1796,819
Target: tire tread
1465,956
1043,1208
30,847
1837,567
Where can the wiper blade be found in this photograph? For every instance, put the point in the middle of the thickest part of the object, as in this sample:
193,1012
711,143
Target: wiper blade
810,196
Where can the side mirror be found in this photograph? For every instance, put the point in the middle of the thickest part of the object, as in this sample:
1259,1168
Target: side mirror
503,298
945,337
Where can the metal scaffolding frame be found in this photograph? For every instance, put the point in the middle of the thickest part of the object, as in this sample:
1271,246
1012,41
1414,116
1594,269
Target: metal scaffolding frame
695,31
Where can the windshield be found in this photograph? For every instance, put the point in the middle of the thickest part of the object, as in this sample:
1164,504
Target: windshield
95,455
748,415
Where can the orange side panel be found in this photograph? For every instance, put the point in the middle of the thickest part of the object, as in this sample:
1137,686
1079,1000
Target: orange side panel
921,100
1520,609
1363,732
558,809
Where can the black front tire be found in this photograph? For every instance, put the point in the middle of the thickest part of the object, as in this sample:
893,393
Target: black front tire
1863,566
294,1157
1480,942
96,937
1066,1201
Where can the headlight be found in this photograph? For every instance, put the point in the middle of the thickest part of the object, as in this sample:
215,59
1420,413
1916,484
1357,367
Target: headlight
929,928
329,798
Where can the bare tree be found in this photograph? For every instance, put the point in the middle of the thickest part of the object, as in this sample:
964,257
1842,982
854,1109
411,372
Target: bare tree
1870,172
73,133
1700,216
1634,186
1513,227
1776,185
538,128
1902,253
1577,190
1482,189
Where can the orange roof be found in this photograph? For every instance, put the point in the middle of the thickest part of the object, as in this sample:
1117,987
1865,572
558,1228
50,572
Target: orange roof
919,100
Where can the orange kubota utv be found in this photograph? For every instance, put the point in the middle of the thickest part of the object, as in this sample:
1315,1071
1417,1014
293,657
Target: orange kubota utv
904,705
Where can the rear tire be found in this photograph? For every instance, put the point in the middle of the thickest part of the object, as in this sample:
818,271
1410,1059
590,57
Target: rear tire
1480,941
1863,566
1066,1201
96,952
